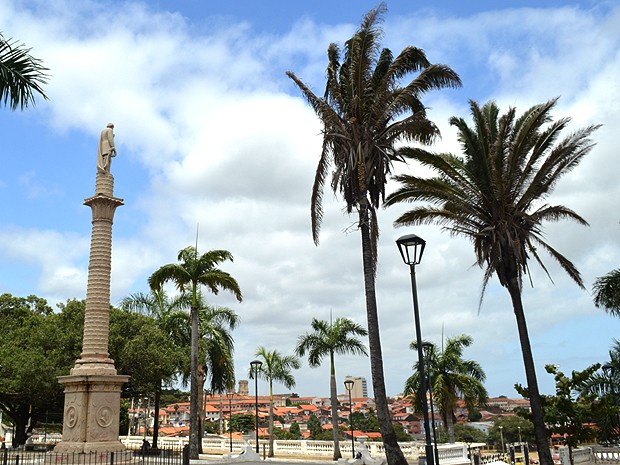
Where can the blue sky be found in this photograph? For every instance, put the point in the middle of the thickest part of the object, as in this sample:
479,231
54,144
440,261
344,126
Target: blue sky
210,131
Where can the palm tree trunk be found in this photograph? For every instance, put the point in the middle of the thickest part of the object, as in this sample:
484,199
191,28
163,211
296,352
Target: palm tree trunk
195,436
450,426
393,452
333,393
270,420
156,419
202,402
540,431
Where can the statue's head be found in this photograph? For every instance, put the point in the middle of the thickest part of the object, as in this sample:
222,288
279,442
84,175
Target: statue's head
110,125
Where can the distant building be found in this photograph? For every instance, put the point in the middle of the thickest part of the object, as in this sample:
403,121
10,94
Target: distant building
360,388
243,387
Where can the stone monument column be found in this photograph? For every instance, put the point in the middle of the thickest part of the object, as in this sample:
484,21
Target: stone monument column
93,388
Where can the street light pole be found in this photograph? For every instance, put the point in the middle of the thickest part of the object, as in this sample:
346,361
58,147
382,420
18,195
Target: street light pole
428,349
348,383
255,366
501,434
411,249
519,428
230,396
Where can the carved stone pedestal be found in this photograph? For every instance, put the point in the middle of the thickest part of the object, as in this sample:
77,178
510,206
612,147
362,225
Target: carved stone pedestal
91,415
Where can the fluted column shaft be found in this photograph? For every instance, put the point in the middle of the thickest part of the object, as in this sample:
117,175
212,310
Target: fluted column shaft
97,314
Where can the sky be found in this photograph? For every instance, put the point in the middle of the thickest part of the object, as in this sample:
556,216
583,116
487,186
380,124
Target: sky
215,142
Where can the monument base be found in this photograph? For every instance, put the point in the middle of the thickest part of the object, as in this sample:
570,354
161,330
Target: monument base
91,414
92,458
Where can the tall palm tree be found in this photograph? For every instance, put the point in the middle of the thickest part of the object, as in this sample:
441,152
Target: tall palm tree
21,75
327,340
452,379
275,368
606,290
192,271
365,111
163,309
495,195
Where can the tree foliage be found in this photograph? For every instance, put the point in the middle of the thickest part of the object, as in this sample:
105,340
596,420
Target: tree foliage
606,291
21,75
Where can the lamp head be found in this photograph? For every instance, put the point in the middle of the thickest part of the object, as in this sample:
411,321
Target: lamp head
348,383
256,364
411,248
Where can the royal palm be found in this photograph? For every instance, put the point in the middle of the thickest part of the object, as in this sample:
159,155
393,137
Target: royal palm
275,368
326,340
452,379
496,193
365,111
196,270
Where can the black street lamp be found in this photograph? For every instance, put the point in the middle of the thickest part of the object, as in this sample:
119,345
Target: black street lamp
255,366
428,349
411,249
501,435
230,396
348,383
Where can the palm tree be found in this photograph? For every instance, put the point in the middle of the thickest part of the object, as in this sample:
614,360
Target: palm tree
327,340
21,75
365,111
163,309
452,379
495,195
276,367
195,270
606,290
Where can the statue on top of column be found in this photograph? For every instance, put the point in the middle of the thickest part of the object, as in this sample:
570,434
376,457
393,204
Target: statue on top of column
106,149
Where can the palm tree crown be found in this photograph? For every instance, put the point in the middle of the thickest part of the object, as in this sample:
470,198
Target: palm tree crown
197,270
365,111
452,378
495,195
21,75
326,340
606,290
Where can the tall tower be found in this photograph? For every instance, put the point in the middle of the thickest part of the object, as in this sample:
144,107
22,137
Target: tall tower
93,388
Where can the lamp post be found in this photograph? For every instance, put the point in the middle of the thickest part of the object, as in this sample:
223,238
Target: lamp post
501,435
519,429
255,366
348,384
411,249
230,396
428,349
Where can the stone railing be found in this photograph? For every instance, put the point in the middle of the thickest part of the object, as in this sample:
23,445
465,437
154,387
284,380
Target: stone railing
449,454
